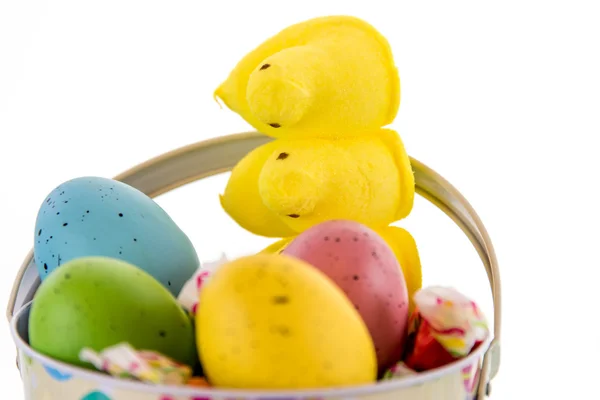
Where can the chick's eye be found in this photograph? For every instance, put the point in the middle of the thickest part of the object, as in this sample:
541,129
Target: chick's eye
264,66
282,156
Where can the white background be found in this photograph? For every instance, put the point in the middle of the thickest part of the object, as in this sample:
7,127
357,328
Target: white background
502,98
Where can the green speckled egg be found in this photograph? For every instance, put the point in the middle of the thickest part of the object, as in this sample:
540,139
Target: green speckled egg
97,302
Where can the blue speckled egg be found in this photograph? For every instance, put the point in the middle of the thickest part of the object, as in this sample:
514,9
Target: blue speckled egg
93,216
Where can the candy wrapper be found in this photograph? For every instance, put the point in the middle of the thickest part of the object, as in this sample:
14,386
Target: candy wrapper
188,297
124,361
445,326
398,371
197,381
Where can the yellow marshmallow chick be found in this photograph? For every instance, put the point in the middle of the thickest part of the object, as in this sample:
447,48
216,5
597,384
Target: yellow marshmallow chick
300,183
314,77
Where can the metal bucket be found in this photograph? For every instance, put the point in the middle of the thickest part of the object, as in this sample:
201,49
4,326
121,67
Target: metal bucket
466,379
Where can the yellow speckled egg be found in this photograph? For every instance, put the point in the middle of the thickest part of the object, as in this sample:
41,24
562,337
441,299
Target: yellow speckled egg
270,321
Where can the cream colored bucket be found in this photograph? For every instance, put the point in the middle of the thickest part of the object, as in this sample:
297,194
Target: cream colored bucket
47,379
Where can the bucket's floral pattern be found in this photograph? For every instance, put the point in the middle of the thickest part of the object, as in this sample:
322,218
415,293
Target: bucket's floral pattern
42,382
56,374
95,395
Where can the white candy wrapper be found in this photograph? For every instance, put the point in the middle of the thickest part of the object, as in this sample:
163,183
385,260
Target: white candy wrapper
188,297
124,361
398,371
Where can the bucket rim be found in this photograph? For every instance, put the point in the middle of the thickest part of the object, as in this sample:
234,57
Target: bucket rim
186,391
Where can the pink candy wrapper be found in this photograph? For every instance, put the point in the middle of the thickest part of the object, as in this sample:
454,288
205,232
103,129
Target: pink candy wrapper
445,326
124,361
188,297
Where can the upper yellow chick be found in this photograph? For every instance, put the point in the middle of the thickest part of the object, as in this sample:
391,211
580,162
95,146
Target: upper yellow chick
327,77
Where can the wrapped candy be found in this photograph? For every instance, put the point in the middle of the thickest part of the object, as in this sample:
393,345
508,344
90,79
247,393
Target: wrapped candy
198,381
445,326
400,370
124,361
188,297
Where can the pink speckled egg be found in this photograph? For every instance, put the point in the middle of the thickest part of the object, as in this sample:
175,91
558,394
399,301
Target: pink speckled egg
361,263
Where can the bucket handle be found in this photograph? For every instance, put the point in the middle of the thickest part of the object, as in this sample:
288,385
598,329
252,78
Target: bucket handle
211,157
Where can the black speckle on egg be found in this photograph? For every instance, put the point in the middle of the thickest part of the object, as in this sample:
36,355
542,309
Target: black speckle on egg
65,224
67,276
87,212
355,239
326,238
169,283
66,201
162,333
374,254
281,330
120,214
355,277
337,240
134,239
58,213
46,266
280,300
39,232
120,252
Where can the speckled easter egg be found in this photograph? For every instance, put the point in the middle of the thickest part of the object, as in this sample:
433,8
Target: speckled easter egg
361,263
93,216
98,302
270,321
